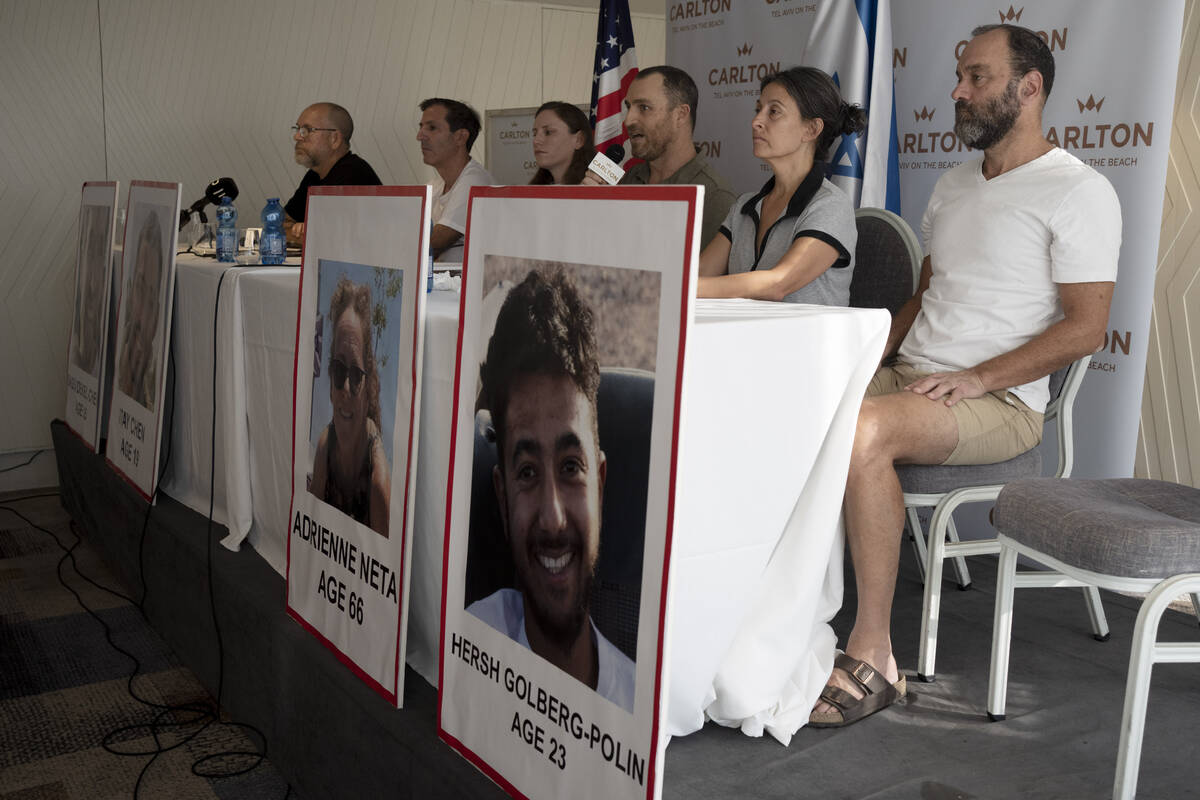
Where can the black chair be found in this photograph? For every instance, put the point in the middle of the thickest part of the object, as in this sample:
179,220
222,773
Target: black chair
887,261
624,407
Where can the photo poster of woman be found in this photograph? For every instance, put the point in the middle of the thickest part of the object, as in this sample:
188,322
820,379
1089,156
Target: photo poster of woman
88,349
143,333
562,485
357,392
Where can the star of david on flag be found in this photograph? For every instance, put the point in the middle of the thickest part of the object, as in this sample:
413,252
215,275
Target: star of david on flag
614,69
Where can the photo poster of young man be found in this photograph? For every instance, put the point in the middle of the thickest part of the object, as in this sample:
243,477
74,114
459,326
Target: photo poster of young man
143,332
356,406
562,484
88,348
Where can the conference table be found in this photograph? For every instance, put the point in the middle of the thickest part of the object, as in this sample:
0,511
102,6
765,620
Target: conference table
771,393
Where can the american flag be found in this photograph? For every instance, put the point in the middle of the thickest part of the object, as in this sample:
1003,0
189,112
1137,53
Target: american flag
614,70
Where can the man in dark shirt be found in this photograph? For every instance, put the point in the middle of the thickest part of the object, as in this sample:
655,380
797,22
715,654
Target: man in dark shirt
322,136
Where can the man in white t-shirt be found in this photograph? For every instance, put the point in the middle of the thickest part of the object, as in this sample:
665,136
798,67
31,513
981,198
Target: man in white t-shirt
1021,258
447,131
539,381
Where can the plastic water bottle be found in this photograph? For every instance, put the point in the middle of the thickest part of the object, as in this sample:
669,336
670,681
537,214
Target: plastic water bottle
226,230
272,244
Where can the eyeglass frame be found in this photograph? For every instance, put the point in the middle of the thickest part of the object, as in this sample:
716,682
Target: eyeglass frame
296,131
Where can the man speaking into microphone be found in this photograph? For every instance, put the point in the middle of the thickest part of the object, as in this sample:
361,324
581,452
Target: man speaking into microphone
660,116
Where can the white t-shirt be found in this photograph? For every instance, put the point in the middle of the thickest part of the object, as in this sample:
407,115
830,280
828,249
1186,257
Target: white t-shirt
504,610
450,208
997,248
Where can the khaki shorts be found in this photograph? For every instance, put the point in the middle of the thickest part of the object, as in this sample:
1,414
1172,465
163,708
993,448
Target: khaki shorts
992,428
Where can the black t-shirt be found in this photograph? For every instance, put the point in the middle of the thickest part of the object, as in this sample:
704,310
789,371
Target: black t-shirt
350,170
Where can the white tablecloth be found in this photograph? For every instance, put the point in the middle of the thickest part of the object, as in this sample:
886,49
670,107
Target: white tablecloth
771,395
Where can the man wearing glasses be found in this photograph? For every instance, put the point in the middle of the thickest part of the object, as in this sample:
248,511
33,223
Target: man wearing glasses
322,136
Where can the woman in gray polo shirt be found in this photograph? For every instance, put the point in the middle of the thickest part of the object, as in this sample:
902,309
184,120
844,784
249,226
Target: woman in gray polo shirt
792,240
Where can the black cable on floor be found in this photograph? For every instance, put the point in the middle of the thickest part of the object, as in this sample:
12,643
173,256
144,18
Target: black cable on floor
204,714
25,463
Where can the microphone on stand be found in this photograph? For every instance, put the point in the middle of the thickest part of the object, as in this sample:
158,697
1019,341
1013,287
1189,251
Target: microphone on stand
607,165
221,187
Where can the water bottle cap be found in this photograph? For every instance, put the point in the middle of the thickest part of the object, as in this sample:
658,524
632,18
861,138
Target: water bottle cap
226,200
272,199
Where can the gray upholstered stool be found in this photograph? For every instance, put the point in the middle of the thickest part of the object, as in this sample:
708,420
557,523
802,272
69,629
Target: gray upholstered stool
1125,535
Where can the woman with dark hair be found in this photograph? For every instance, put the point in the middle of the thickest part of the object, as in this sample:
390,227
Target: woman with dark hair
562,144
793,239
350,469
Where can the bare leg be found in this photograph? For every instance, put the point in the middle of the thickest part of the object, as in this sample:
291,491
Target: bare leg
898,427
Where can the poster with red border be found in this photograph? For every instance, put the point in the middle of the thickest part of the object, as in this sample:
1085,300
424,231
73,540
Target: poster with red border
87,356
143,332
575,312
356,406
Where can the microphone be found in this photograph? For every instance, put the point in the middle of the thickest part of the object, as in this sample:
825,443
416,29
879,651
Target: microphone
221,187
607,165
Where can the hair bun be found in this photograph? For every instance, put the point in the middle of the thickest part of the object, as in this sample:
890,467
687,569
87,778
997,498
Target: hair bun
854,119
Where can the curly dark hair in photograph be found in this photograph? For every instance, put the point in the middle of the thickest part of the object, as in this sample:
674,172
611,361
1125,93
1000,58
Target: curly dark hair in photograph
544,328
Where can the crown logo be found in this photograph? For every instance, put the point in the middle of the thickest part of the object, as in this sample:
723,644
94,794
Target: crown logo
1012,16
924,113
745,49
1092,104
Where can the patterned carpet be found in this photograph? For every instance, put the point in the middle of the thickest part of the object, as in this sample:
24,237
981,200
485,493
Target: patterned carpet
64,690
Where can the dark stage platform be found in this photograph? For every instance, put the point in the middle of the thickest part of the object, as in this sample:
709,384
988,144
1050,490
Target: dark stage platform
334,737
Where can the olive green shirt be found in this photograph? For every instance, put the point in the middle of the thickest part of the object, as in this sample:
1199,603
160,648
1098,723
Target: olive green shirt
718,194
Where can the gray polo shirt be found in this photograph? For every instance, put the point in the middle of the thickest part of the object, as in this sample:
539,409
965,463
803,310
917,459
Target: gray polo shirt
718,194
817,209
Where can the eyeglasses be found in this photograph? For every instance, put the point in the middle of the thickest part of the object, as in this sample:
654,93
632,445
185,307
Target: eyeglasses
305,130
339,371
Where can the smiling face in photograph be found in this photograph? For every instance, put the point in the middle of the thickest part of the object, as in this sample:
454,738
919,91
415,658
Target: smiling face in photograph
550,486
347,377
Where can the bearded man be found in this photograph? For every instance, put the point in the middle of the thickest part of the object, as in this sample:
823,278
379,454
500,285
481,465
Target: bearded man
1020,261
321,139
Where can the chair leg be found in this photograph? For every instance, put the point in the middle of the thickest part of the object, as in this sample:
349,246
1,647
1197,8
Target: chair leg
917,536
1006,575
1137,690
1091,596
932,602
960,563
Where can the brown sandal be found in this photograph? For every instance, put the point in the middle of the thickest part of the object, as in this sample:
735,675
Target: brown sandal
878,694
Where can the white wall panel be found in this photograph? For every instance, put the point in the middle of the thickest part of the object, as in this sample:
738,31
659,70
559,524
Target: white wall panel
51,140
1169,441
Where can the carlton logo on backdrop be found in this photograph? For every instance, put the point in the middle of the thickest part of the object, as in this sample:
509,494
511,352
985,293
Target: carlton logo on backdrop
709,149
1055,38
737,80
699,8
1096,135
1113,341
924,113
